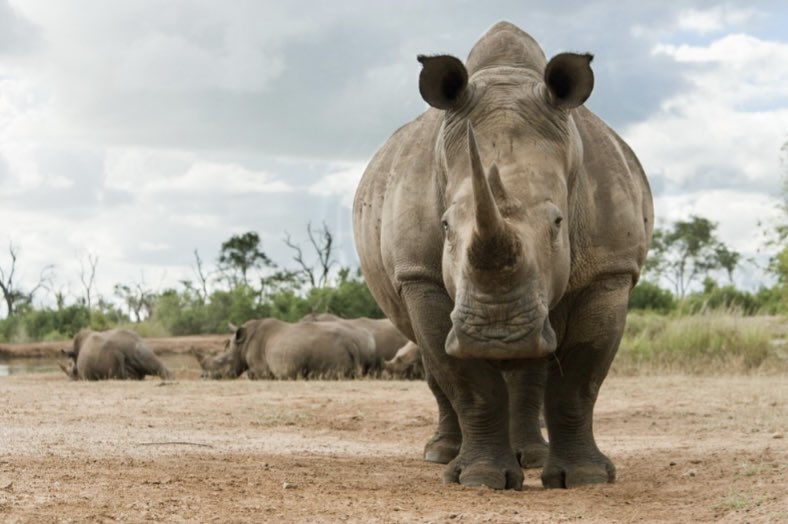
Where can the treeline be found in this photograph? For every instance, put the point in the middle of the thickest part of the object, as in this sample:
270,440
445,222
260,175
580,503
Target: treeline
688,271
244,284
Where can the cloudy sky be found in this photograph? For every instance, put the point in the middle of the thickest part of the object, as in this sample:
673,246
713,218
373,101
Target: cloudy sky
139,130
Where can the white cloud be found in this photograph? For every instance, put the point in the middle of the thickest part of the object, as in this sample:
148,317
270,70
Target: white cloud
173,63
342,183
734,116
716,146
149,172
714,19
750,210
219,179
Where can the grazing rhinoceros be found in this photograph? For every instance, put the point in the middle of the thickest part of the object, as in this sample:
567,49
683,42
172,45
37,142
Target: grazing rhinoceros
503,229
388,339
272,349
113,354
406,364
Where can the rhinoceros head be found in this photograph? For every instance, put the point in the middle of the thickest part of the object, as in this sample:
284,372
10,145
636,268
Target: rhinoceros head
508,148
69,368
228,364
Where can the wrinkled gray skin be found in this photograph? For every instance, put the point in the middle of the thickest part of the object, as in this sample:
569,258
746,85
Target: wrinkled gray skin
406,364
113,354
272,349
388,339
503,230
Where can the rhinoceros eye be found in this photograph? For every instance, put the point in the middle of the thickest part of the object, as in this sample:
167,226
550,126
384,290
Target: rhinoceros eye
558,220
445,224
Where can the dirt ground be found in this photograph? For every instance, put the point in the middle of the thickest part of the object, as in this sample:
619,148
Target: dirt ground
687,449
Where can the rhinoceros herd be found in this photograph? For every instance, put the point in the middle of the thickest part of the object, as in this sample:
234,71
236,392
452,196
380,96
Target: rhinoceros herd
319,346
502,231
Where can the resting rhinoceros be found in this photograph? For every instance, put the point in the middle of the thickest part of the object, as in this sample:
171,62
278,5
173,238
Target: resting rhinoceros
272,349
388,339
113,354
503,229
406,364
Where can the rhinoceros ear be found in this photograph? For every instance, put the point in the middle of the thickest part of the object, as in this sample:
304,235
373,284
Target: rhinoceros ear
442,81
570,79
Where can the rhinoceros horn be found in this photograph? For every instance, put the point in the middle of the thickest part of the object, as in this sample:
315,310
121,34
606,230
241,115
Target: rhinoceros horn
488,218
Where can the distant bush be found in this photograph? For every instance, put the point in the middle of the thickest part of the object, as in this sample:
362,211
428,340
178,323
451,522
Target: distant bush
351,298
650,297
714,298
28,324
773,300
183,312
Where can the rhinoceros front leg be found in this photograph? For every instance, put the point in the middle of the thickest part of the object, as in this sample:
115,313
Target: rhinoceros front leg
594,325
475,390
445,444
526,386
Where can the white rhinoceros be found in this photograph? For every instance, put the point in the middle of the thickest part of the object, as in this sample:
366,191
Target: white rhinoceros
387,338
112,354
269,348
503,229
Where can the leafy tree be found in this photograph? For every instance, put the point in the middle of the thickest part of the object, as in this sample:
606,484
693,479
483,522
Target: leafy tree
728,260
240,254
688,251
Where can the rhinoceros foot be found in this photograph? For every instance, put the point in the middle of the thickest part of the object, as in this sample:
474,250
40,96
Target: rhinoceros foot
559,473
532,455
502,472
442,448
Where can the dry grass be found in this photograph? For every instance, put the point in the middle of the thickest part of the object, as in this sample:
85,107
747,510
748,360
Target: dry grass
714,342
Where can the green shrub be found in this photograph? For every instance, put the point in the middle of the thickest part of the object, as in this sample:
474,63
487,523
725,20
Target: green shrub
650,297
720,298
773,300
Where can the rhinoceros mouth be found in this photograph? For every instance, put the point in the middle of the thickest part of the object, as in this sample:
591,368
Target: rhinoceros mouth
526,334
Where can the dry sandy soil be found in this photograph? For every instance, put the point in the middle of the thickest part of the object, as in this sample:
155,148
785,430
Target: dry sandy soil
687,450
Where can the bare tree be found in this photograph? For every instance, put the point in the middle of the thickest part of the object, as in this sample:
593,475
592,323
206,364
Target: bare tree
322,250
12,293
202,275
87,275
322,242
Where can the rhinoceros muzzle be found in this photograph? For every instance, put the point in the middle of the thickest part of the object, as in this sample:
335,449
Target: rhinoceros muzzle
523,334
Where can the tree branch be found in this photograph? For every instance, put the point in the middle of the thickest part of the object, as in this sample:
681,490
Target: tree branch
299,258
